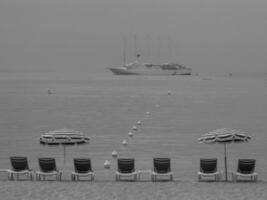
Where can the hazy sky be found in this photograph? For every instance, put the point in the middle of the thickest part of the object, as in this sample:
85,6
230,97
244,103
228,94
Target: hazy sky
224,35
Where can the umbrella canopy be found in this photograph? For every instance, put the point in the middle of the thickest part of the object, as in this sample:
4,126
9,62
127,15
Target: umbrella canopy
64,137
224,136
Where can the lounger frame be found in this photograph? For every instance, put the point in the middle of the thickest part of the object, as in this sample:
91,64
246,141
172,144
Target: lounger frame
47,169
83,168
162,168
245,171
126,169
20,167
208,170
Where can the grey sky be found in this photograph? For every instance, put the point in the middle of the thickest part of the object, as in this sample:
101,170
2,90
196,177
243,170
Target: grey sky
224,35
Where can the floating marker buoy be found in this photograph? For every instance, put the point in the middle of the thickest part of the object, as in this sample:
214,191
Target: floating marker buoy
130,134
107,164
157,105
114,154
148,113
49,91
134,128
139,123
169,92
124,143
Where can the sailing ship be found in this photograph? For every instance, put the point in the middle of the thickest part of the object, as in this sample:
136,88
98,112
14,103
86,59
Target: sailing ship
137,68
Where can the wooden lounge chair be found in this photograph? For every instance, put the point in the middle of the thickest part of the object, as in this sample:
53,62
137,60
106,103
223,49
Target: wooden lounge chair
83,168
162,167
20,167
126,169
48,168
245,169
208,169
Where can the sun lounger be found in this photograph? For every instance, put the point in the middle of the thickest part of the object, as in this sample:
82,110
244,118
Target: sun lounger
126,168
245,169
20,167
82,168
48,168
208,169
162,168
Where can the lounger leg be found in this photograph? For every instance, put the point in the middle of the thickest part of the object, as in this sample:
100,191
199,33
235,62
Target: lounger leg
59,177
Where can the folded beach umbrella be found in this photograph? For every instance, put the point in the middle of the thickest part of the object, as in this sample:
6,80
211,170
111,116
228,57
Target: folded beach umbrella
224,136
64,137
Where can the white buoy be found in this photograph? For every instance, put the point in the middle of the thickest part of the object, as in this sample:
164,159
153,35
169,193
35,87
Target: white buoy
124,143
134,128
157,105
107,164
139,123
130,134
148,113
114,154
169,92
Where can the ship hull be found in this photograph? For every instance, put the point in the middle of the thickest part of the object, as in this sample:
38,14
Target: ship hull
148,71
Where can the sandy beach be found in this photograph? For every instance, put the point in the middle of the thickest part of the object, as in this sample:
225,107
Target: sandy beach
130,191
106,107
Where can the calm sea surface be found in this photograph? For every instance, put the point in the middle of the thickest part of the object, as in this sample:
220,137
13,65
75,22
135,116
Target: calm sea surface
106,107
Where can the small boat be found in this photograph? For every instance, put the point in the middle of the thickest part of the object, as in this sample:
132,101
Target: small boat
65,137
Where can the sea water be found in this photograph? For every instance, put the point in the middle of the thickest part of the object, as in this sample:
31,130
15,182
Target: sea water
106,107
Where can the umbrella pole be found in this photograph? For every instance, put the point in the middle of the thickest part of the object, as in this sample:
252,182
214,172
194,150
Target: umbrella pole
64,154
225,163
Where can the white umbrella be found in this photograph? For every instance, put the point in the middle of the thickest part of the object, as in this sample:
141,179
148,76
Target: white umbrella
64,137
225,136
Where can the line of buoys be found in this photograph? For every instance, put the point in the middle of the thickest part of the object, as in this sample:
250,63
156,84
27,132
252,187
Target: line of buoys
124,142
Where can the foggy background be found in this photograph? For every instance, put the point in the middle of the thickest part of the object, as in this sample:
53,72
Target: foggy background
216,35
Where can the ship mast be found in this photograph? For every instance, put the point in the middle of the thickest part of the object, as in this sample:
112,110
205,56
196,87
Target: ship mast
124,52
